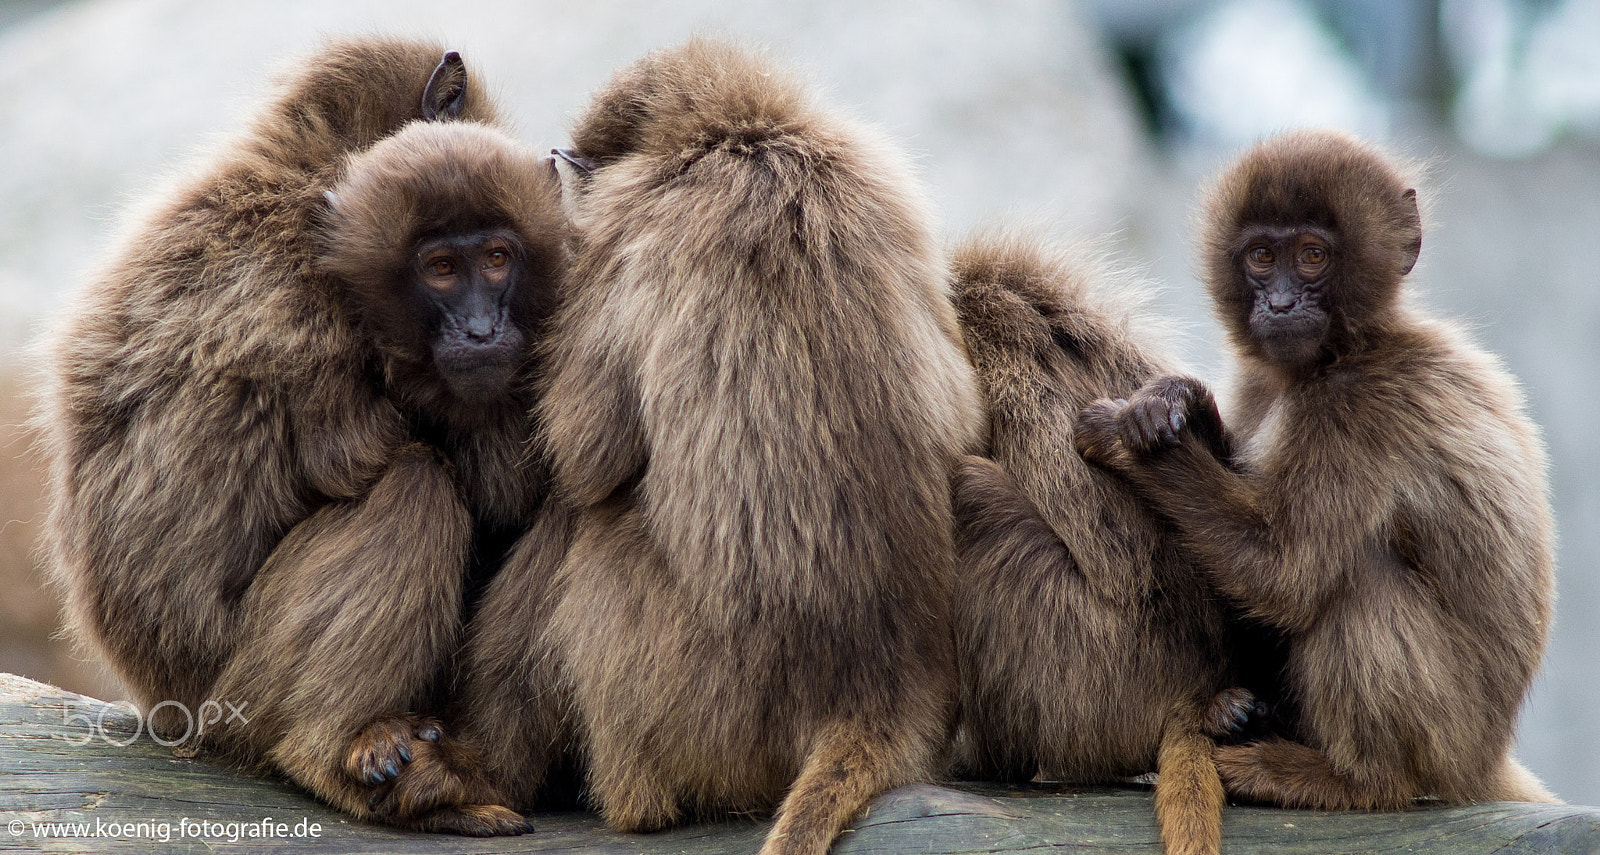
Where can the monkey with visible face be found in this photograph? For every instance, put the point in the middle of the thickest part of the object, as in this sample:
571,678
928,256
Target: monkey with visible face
288,425
756,397
1091,649
1378,494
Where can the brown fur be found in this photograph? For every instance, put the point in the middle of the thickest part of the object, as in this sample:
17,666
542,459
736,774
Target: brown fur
516,708
253,501
1089,644
757,395
1386,506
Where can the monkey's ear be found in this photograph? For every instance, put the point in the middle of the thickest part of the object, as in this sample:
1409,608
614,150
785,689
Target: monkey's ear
567,171
1413,217
584,165
446,93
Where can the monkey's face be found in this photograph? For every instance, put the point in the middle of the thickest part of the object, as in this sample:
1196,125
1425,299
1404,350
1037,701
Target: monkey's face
1285,273
469,282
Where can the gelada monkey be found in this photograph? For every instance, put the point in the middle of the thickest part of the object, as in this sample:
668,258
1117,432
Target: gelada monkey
1091,648
756,396
1378,493
270,469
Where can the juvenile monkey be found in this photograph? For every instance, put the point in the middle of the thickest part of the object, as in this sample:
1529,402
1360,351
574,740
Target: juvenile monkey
1379,494
756,398
1090,647
289,417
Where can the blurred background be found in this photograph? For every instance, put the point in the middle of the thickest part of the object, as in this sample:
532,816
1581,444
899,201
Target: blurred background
1095,119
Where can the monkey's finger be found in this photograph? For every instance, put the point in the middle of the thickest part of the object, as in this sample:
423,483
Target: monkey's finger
1162,415
1230,711
380,750
1136,430
1095,435
429,730
1150,428
428,783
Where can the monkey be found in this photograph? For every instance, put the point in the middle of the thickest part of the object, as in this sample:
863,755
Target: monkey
755,397
1091,649
288,422
1377,492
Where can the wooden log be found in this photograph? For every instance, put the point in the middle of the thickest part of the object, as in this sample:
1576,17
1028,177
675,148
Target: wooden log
80,775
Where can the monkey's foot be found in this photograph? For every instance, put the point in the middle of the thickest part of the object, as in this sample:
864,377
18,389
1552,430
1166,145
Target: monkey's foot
442,789
1235,715
1288,774
383,748
473,821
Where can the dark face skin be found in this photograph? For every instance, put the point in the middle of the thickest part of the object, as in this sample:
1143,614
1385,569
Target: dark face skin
1287,270
470,279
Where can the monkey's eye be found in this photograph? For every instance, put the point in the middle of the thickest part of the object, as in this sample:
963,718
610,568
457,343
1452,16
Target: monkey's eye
441,267
1313,255
1260,256
499,258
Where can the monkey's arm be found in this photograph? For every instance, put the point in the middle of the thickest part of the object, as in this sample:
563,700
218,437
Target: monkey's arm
512,708
168,491
996,521
591,406
343,634
1279,543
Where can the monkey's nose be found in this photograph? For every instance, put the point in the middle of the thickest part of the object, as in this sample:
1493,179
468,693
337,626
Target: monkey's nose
482,330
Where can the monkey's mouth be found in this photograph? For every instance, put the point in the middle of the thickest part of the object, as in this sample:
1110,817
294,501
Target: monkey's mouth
1297,346
1294,337
475,372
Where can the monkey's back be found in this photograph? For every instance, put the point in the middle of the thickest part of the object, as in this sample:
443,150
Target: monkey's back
765,456
802,397
1078,674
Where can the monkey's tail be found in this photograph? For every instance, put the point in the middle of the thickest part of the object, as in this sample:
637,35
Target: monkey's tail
848,765
1189,794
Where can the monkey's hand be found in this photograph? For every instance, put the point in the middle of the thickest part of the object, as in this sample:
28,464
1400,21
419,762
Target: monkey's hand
1235,715
422,779
1158,415
1097,435
383,748
1120,434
